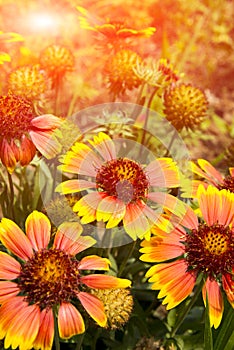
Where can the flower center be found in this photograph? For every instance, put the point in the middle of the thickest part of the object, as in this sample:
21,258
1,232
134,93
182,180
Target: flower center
210,249
124,179
49,277
228,184
15,116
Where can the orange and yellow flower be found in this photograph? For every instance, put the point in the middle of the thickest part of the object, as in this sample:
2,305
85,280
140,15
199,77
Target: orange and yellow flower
39,284
207,248
122,189
211,176
22,132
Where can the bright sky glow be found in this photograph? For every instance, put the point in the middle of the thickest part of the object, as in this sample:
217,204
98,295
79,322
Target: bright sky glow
44,21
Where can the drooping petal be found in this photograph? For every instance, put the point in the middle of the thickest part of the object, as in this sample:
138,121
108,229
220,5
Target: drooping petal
87,206
9,267
165,247
94,262
210,170
231,171
23,328
215,300
7,156
173,280
38,228
45,336
210,204
168,202
81,160
200,172
94,307
226,215
135,222
112,210
27,151
68,238
73,186
163,172
70,321
46,143
8,290
46,122
228,286
189,219
104,145
14,239
104,281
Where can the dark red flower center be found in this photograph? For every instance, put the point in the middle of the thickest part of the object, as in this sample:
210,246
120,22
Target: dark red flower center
49,278
124,179
15,116
210,249
228,184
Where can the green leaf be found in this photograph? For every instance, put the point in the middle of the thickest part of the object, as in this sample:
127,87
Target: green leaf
226,332
208,341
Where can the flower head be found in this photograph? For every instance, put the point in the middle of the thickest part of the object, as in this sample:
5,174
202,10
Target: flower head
120,186
211,176
46,281
120,71
185,106
118,304
207,248
28,82
57,60
22,133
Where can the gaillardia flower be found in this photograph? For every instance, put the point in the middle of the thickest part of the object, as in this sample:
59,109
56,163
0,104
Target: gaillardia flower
28,82
207,248
185,106
120,187
38,287
211,176
22,132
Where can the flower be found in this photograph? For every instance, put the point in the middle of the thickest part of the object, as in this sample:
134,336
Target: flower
118,304
211,177
46,281
121,186
28,82
207,248
57,60
185,106
22,133
120,71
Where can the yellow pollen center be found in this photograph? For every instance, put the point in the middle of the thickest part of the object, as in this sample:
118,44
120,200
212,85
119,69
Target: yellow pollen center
215,243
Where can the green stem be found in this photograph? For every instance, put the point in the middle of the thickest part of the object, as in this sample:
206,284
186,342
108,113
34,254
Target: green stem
12,195
56,331
79,341
171,143
95,338
122,266
187,308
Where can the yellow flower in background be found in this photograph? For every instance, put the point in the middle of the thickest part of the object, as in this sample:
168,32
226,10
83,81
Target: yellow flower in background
29,82
205,248
185,106
46,281
8,38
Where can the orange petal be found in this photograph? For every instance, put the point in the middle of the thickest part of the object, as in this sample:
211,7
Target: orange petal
23,328
27,151
163,172
135,222
8,157
73,186
94,262
215,300
87,206
104,145
8,290
201,173
159,249
189,219
94,307
112,210
68,238
228,286
8,310
45,336
46,143
9,267
210,170
227,212
15,240
46,122
38,230
168,202
104,281
70,321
